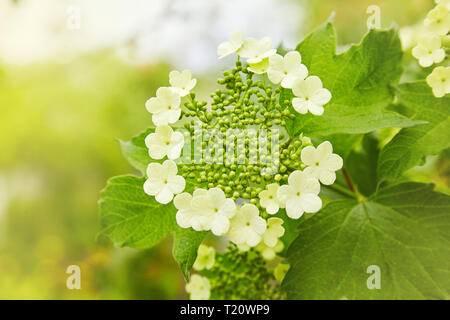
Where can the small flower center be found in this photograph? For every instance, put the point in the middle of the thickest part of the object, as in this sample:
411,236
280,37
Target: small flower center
169,107
216,210
270,197
317,164
165,181
167,143
298,194
248,224
443,79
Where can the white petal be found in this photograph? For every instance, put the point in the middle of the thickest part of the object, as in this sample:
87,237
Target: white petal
300,105
253,239
327,177
183,219
259,67
152,188
259,225
220,225
154,105
154,171
333,162
176,184
284,193
310,202
272,207
170,168
164,132
294,208
224,49
174,152
312,84
237,38
228,208
164,196
324,150
161,118
157,151
321,97
315,109
274,75
310,185
308,155
173,115
313,172
200,192
182,201
292,60
296,180
174,78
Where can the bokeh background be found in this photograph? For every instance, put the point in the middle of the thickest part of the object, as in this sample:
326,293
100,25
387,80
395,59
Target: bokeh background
74,77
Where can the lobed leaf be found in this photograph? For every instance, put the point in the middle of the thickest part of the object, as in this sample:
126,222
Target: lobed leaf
129,217
403,229
411,145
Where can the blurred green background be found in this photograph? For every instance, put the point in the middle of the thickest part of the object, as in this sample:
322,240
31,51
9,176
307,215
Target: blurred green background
59,120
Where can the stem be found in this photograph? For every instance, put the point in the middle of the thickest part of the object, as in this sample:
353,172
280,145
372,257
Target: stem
341,190
348,180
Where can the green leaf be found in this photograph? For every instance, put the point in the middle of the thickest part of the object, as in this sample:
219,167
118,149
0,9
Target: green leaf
136,152
359,80
129,217
361,166
411,145
185,246
403,229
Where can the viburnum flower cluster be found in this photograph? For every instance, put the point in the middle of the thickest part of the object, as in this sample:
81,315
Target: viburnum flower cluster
238,199
433,45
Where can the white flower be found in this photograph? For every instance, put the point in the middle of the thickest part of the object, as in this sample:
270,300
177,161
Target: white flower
163,181
439,81
198,287
438,20
428,50
269,253
409,36
215,209
300,195
445,3
164,142
247,227
311,96
165,107
226,48
268,199
260,67
182,82
205,258
274,231
286,70
256,50
321,162
186,216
